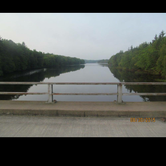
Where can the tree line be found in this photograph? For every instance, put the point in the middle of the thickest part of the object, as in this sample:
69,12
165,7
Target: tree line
18,57
103,61
147,57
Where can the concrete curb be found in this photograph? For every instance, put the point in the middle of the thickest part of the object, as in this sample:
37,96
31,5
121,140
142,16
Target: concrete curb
84,109
148,114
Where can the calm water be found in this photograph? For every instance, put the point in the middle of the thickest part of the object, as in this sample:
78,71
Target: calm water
92,72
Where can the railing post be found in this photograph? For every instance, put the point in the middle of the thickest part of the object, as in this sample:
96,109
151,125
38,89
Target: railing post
119,91
50,89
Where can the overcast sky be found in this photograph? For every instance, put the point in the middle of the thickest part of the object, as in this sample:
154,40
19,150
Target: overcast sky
81,35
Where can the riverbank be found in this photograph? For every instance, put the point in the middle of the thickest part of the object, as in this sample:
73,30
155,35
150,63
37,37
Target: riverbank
147,57
18,57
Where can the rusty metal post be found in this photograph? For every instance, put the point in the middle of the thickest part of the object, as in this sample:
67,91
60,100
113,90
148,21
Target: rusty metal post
119,91
50,97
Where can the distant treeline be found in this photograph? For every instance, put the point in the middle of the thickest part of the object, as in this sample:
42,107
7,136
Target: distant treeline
18,57
90,61
103,61
96,61
147,57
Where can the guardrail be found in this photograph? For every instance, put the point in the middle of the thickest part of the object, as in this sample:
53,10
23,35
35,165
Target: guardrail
50,89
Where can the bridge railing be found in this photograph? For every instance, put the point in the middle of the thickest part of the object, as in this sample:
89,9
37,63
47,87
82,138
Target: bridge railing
50,89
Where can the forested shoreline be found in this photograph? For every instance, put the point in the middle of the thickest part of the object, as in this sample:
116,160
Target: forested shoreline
145,58
18,57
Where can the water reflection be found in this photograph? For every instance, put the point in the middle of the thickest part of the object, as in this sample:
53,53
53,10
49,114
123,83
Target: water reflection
31,76
124,76
103,64
93,72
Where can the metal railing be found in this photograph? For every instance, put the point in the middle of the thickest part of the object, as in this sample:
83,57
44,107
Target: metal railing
50,89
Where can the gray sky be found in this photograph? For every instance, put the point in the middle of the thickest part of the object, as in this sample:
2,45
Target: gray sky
81,35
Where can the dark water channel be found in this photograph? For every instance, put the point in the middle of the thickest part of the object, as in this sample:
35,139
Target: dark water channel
90,72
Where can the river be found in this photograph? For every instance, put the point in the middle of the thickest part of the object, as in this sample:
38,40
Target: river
90,72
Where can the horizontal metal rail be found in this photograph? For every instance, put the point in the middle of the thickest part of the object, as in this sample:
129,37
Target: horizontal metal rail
50,89
22,93
86,83
146,94
84,93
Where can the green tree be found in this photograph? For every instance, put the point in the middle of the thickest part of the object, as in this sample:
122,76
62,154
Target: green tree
16,57
160,62
149,57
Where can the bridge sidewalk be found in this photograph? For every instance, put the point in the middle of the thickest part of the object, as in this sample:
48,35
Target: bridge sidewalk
63,108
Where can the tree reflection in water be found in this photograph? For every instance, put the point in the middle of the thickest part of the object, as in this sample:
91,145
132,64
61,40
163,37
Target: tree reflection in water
125,76
31,76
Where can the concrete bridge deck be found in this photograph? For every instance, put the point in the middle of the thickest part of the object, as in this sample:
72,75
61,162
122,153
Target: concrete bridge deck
128,109
53,126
